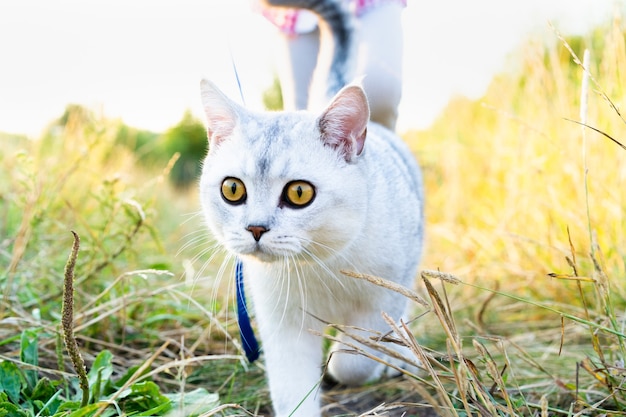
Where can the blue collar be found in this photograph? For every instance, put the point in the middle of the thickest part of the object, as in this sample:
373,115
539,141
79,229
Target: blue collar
248,340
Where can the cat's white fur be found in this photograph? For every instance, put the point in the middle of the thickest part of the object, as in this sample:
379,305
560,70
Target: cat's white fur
367,216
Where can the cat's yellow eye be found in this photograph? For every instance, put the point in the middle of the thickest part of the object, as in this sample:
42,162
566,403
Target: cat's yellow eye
233,191
298,194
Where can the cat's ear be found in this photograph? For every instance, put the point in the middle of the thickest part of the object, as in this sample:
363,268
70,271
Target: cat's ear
221,113
343,124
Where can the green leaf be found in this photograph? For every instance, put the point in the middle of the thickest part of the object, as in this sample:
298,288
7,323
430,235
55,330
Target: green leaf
45,396
129,374
38,405
88,410
8,340
52,405
29,354
44,390
141,397
11,410
28,347
156,411
198,401
162,317
11,378
100,374
68,406
103,361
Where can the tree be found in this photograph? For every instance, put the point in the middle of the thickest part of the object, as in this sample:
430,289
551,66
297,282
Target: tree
189,139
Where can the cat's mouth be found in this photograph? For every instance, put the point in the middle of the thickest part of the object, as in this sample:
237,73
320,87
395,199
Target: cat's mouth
269,250
264,254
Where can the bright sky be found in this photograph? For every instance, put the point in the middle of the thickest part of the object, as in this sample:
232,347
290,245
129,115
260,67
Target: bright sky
142,60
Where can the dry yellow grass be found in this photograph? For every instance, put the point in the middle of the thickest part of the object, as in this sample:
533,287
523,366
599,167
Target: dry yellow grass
505,177
528,208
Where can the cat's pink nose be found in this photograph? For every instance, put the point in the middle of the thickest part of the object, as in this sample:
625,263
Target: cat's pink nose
257,231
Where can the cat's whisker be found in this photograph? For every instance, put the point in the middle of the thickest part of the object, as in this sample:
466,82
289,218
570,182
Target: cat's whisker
286,286
279,279
192,216
214,249
324,268
302,287
205,245
331,251
192,239
322,271
216,284
228,264
200,273
196,239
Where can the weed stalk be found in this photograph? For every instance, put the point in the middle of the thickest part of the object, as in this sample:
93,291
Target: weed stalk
67,321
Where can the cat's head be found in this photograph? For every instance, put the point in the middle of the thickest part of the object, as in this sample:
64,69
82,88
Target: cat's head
281,184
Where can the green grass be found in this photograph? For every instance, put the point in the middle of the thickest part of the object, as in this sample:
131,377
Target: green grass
526,216
131,297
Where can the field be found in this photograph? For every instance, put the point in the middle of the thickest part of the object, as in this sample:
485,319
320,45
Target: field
523,272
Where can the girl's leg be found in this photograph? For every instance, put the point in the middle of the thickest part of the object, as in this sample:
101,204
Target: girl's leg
380,60
297,62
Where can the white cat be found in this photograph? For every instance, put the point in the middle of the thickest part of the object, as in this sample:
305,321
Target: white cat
297,197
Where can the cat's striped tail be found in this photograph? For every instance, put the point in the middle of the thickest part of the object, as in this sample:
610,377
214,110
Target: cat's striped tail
333,70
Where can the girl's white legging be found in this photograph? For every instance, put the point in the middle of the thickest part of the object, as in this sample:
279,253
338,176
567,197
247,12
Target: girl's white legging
380,46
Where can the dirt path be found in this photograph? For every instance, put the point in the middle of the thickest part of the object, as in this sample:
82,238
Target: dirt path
393,398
